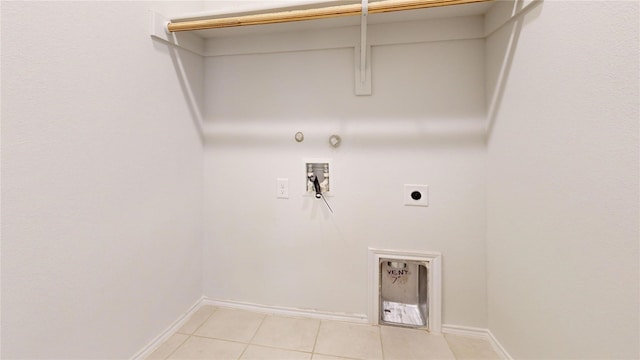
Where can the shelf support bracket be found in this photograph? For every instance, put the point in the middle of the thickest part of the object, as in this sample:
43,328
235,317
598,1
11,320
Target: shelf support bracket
363,56
189,42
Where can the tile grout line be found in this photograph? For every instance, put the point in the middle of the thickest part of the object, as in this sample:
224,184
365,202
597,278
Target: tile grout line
315,342
342,356
218,339
189,335
280,348
215,309
449,345
381,346
321,323
177,347
276,347
264,317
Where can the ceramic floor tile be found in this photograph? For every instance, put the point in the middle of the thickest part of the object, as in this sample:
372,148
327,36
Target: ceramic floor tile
231,324
327,357
255,352
404,344
464,347
288,333
198,318
350,340
204,348
167,347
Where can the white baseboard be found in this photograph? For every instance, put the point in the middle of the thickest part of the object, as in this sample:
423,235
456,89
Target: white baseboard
158,340
465,331
287,311
308,313
277,310
478,333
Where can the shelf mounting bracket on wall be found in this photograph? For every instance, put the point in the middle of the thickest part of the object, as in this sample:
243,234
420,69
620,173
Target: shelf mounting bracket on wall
185,41
363,56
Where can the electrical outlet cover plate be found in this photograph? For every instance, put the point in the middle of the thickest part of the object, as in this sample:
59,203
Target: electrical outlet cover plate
283,188
416,195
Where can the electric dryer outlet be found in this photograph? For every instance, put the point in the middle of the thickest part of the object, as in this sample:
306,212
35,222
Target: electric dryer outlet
416,195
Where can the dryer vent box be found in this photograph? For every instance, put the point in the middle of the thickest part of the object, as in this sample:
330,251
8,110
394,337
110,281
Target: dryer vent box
403,293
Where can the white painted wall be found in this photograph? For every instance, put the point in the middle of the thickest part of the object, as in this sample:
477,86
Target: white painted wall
563,184
240,6
423,124
97,131
101,181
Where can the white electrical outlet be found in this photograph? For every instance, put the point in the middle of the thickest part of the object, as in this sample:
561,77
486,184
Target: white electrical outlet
416,195
283,188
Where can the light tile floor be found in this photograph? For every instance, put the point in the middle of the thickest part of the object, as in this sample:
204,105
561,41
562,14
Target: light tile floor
221,333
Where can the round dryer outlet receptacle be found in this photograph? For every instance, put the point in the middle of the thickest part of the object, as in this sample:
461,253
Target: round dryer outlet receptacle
416,195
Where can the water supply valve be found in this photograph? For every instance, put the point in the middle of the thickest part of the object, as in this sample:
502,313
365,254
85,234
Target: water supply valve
318,177
318,180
